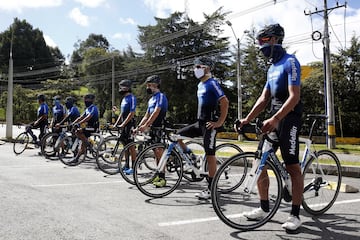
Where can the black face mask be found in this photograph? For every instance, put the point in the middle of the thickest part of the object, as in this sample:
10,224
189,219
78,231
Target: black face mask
122,92
68,105
149,91
88,103
273,52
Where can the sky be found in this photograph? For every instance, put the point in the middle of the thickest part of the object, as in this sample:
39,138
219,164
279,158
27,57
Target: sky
65,22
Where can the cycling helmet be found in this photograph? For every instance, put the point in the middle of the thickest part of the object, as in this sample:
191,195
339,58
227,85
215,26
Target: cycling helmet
125,85
69,100
41,97
153,79
90,96
272,30
205,61
57,97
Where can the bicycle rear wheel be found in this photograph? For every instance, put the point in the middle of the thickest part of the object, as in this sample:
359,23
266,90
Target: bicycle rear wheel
20,143
225,151
322,181
144,175
231,206
68,149
108,154
48,145
127,160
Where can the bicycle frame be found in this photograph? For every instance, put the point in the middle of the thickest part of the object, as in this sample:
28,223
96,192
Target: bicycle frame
174,144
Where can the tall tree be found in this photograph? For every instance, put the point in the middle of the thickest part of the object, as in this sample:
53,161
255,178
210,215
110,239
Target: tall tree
171,46
34,61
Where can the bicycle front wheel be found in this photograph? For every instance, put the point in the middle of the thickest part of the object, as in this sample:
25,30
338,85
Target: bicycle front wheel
127,160
20,143
146,170
322,181
233,206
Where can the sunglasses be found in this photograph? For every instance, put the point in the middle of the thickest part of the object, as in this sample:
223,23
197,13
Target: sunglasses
199,66
264,40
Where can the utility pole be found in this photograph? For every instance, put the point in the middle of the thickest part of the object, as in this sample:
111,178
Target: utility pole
113,88
330,112
9,104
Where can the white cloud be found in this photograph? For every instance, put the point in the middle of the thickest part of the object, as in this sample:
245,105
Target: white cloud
127,21
122,36
49,41
19,5
81,19
91,3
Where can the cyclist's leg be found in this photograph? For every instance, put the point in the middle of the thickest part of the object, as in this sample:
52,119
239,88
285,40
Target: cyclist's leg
289,129
209,136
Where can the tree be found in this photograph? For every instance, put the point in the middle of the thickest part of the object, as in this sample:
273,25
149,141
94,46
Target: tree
346,80
34,61
171,45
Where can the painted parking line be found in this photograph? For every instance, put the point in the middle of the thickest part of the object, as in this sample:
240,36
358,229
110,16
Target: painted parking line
74,184
209,219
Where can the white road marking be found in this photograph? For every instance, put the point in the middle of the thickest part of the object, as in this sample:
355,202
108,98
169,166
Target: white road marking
209,219
74,184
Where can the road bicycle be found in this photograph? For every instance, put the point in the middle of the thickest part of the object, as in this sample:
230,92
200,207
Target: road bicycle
69,146
321,172
25,141
174,162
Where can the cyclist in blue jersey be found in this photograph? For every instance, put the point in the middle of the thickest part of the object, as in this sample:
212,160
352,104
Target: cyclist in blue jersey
42,119
72,112
155,117
86,124
210,95
58,112
282,88
126,119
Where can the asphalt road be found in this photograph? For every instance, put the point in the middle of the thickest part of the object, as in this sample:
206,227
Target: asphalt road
43,199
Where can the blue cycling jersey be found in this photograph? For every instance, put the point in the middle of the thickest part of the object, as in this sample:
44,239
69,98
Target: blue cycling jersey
58,113
43,110
94,120
73,113
158,100
281,75
128,105
209,94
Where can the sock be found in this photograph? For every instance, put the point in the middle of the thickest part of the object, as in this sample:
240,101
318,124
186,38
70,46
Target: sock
209,179
265,205
295,210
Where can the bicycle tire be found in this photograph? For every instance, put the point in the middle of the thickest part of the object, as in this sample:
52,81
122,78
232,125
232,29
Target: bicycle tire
48,145
125,159
21,142
68,150
143,176
230,206
107,155
322,181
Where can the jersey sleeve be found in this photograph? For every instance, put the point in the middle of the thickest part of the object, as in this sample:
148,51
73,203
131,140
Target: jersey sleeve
293,70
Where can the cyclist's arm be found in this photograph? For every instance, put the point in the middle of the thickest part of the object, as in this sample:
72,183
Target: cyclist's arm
290,103
224,106
127,119
41,118
152,117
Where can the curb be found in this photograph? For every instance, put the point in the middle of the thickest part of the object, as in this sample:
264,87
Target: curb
345,188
